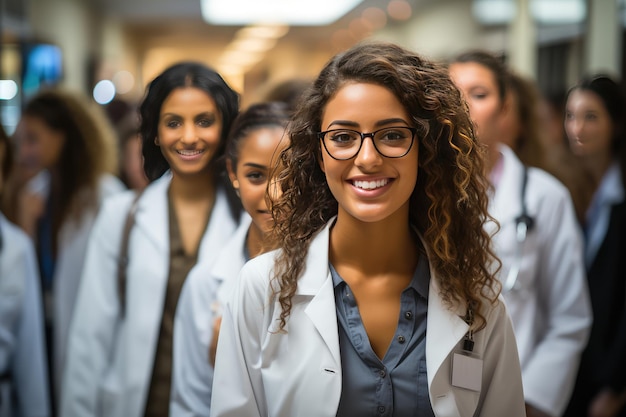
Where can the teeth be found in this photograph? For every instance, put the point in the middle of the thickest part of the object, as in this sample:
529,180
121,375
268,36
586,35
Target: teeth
186,152
370,185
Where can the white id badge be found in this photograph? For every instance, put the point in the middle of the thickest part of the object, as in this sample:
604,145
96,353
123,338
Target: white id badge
467,372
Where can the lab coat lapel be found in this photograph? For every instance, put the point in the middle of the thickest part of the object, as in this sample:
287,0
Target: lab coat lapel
445,329
152,214
231,260
219,230
317,282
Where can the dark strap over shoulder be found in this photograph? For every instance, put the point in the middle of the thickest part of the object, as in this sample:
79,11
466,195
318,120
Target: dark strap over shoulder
123,259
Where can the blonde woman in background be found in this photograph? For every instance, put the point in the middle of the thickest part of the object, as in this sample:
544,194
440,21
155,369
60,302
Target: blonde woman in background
65,166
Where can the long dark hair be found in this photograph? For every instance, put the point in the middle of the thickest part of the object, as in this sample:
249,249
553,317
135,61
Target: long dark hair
257,116
185,74
449,203
611,94
6,164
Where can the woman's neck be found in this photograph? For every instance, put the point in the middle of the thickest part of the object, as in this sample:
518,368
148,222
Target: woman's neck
374,248
597,165
255,241
492,156
192,188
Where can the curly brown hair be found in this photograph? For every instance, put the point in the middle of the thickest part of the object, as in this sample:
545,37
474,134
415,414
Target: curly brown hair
449,203
89,151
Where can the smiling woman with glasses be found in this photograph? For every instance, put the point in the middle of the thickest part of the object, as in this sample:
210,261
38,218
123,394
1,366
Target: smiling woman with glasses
380,300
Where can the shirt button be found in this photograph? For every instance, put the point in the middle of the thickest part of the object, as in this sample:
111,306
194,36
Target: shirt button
401,339
382,373
381,409
408,315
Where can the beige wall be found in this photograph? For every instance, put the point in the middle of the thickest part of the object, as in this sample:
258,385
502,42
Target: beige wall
443,30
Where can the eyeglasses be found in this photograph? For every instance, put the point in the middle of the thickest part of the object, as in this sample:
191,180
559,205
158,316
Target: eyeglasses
390,142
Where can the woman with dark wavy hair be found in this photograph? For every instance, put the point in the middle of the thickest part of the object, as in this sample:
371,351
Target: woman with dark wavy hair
595,114
141,250
381,299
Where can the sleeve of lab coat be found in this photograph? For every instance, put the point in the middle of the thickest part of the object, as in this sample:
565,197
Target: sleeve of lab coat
237,382
30,367
192,375
96,316
550,372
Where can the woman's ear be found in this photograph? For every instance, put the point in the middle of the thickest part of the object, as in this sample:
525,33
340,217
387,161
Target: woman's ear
320,160
232,176
156,141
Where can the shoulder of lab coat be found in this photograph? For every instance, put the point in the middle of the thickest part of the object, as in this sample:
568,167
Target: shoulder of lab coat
20,292
263,372
200,301
110,358
70,261
552,316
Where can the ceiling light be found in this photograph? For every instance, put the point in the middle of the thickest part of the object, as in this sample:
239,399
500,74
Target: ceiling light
493,12
8,89
555,12
291,12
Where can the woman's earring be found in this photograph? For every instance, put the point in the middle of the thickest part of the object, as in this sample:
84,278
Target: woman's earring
237,192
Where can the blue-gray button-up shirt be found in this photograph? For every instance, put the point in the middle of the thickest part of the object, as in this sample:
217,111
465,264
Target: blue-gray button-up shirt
397,385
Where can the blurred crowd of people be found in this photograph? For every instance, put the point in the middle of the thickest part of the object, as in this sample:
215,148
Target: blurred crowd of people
399,220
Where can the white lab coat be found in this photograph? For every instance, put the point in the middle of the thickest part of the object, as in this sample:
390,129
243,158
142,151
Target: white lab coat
550,311
22,341
110,358
262,372
207,288
73,240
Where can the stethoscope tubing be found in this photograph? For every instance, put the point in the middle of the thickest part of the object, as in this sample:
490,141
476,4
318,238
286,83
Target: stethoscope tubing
523,224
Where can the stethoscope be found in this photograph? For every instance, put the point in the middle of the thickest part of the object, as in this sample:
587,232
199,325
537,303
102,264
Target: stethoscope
524,223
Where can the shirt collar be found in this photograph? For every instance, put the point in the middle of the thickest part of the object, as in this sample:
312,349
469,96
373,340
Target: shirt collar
611,189
420,281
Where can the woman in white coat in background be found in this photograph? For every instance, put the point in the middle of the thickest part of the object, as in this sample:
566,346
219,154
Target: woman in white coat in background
65,164
120,348
23,365
380,300
257,136
539,243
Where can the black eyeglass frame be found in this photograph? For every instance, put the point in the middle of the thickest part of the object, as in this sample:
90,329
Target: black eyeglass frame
321,135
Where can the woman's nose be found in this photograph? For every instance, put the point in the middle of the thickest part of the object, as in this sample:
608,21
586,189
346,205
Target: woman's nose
368,154
189,134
